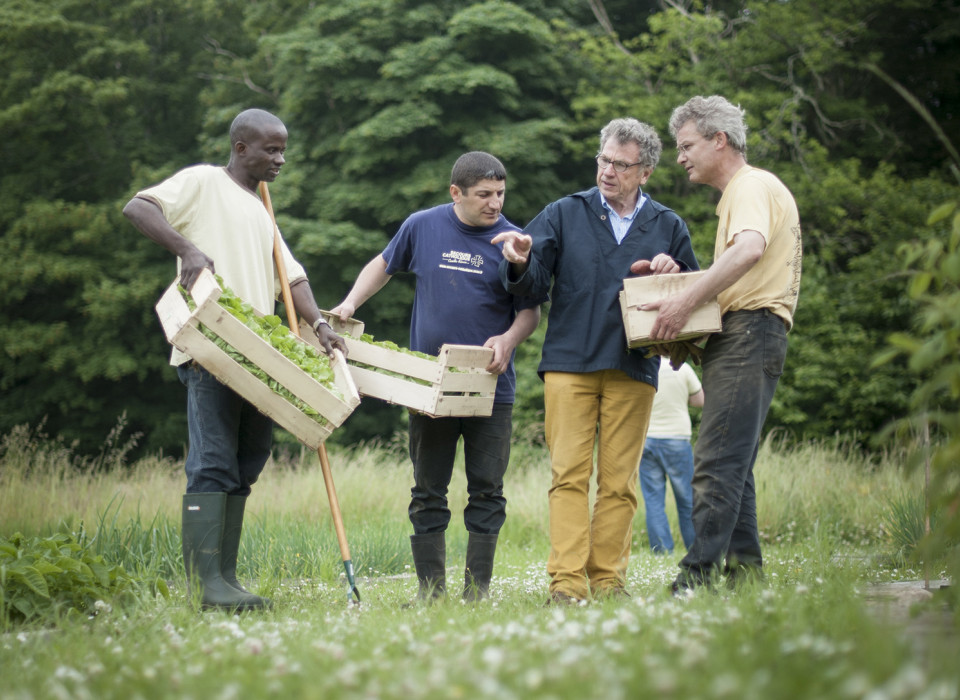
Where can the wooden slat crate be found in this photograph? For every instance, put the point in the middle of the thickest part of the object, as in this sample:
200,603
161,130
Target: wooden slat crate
180,327
457,381
637,324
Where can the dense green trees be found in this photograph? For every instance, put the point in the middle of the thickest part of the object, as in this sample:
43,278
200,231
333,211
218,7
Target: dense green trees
380,96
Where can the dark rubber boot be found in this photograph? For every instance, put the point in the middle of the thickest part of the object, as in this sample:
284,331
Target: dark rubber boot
429,559
479,569
203,515
230,544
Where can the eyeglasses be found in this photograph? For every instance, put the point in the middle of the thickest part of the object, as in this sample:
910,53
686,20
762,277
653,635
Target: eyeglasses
603,163
682,148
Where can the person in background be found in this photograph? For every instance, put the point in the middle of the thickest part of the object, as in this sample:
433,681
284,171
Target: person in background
211,217
668,456
459,299
597,393
755,276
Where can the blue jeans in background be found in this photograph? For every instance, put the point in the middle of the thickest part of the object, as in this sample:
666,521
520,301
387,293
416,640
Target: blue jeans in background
667,458
741,368
229,439
486,452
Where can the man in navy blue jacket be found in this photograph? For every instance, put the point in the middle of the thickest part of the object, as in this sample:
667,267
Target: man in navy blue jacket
596,391
459,299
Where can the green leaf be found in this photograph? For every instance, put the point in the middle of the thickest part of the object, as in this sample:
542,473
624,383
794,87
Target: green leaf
32,579
100,571
941,213
46,567
919,284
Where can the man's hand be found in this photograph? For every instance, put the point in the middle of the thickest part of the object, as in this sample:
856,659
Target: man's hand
330,340
191,265
662,264
344,311
673,316
503,349
678,351
516,246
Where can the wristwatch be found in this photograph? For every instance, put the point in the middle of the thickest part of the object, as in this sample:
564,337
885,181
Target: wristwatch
320,322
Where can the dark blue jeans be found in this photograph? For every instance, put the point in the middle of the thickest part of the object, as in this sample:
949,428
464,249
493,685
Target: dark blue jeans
486,450
667,458
741,368
229,439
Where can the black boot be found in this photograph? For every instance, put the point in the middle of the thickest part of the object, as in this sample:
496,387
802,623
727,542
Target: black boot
429,559
479,569
230,544
203,515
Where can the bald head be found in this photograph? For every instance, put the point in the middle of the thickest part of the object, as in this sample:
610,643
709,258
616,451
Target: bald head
251,124
258,140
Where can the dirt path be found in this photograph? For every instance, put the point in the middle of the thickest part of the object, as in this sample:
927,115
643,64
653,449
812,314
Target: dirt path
921,612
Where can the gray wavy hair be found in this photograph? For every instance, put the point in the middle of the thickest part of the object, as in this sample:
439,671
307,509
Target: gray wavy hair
627,130
712,115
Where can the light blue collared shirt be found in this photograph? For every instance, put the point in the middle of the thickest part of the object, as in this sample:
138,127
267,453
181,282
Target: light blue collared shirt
621,224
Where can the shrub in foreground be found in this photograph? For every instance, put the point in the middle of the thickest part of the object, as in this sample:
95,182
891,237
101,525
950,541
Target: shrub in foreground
44,578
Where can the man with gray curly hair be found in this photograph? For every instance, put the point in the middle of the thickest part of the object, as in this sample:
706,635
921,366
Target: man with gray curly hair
756,278
597,393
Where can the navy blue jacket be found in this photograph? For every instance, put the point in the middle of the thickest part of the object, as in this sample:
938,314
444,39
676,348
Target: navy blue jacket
574,248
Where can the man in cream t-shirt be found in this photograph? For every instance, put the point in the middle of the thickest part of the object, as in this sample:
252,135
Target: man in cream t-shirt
212,217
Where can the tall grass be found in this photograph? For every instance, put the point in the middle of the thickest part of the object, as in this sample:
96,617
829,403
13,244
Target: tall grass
808,632
827,490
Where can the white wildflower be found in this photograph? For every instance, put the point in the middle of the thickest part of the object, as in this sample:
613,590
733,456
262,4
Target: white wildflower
726,684
493,657
68,673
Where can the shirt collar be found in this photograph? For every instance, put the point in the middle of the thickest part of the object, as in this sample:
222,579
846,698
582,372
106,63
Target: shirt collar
641,198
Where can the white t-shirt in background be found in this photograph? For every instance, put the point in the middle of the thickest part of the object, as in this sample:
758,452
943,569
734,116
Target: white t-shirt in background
670,416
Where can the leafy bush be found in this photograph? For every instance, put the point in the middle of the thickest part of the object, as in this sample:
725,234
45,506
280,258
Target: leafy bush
933,352
41,578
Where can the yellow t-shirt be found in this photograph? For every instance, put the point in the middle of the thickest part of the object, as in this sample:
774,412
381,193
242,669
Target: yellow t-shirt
756,200
230,224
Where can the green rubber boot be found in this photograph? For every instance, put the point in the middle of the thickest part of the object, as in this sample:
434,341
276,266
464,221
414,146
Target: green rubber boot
203,515
230,544
479,569
429,559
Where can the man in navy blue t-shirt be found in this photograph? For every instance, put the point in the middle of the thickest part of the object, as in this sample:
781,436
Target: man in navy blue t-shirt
459,300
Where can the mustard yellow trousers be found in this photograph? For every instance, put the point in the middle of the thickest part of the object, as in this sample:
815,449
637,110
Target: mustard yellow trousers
609,411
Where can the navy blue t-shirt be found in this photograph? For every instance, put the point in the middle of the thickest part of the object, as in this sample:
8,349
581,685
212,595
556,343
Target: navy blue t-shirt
459,296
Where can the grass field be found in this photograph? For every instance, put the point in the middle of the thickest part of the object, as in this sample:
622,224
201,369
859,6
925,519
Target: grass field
836,525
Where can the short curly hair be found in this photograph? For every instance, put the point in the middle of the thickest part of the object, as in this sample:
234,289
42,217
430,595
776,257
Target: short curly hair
629,130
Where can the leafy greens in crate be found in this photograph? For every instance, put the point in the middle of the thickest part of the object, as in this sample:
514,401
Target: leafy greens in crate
312,361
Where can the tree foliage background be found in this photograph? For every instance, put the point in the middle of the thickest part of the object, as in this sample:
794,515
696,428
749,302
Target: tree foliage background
102,98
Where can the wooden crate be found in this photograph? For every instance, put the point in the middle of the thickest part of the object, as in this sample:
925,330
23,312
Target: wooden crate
637,324
457,381
180,327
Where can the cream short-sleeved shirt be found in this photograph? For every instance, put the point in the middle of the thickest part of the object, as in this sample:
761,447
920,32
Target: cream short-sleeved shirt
756,200
230,224
670,415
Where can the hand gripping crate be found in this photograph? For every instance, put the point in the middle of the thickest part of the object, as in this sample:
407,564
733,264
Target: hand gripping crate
638,324
455,384
180,327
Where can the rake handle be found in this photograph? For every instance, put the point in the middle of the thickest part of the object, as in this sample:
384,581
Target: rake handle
322,449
